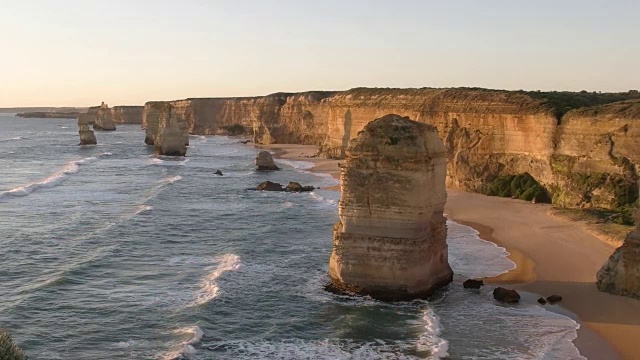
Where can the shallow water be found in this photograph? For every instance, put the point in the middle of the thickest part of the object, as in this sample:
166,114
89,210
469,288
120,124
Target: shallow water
109,252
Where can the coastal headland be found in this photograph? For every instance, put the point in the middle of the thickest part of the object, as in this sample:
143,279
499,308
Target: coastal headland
553,255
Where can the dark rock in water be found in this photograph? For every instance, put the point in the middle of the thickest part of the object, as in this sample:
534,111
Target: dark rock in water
542,301
264,161
473,284
554,299
296,187
244,141
270,186
508,296
218,172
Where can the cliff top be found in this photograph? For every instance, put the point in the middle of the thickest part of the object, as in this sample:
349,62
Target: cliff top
628,110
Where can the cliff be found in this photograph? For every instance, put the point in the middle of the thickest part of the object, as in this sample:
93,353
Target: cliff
152,116
582,156
170,138
390,239
127,114
87,137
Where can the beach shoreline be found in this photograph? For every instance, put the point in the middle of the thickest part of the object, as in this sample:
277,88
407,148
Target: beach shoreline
553,256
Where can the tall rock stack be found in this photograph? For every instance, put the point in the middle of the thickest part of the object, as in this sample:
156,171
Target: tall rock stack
390,239
151,116
170,138
620,275
87,137
104,119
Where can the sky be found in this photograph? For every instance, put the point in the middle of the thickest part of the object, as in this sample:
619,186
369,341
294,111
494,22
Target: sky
127,52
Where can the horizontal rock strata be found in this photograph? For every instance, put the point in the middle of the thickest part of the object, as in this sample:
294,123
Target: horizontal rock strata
584,157
390,239
170,138
127,114
87,137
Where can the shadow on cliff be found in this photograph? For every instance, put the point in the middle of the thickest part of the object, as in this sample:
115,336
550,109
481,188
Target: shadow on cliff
590,304
347,132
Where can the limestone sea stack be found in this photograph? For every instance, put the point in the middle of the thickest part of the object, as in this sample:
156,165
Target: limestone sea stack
264,161
170,139
104,119
87,137
152,112
620,275
390,239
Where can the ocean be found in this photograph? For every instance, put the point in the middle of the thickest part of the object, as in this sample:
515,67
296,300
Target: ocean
109,252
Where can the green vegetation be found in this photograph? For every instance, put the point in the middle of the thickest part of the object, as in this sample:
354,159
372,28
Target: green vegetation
564,101
522,186
9,350
234,130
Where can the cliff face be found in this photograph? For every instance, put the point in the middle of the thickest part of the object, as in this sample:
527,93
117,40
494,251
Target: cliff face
127,114
170,138
390,239
584,158
103,119
153,114
621,274
87,137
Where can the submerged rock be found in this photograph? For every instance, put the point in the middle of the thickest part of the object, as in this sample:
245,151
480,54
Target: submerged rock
264,161
473,284
620,275
542,301
390,239
218,172
508,296
296,187
87,137
270,186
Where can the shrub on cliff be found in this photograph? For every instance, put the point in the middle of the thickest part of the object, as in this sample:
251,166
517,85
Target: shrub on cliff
522,186
9,350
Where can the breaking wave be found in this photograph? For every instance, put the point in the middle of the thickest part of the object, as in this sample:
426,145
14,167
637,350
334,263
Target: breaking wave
70,168
186,347
208,285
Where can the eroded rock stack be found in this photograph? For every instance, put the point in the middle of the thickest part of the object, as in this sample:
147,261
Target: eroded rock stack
264,161
104,119
621,274
170,139
153,111
390,239
87,137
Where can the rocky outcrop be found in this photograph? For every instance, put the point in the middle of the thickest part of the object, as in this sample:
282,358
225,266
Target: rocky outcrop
127,114
264,161
170,138
151,118
621,274
473,284
87,137
581,156
390,239
508,296
103,118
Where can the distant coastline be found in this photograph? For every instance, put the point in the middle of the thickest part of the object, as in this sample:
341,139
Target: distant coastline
49,115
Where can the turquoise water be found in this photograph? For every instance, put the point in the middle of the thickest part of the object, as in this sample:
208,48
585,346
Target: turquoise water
111,253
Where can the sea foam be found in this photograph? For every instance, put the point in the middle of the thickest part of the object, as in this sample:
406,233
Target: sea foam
209,288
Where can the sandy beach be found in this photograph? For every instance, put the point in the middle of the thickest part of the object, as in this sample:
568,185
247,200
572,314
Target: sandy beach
553,256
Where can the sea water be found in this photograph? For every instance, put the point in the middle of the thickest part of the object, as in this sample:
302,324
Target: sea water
108,252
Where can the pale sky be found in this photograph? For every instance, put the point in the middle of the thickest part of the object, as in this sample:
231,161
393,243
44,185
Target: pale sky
127,52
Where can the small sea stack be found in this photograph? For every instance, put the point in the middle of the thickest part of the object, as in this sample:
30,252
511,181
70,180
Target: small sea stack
620,275
390,239
87,137
170,139
264,161
104,119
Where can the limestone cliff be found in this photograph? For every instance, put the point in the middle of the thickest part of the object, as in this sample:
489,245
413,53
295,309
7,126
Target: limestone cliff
127,114
621,274
583,157
170,138
87,137
390,239
103,118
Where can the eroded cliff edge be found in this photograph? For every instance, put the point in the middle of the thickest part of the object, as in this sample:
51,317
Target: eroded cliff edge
583,156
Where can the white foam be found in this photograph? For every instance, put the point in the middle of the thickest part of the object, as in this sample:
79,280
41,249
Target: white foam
299,165
186,347
325,200
171,179
431,340
13,138
106,154
161,162
208,285
143,208
54,179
